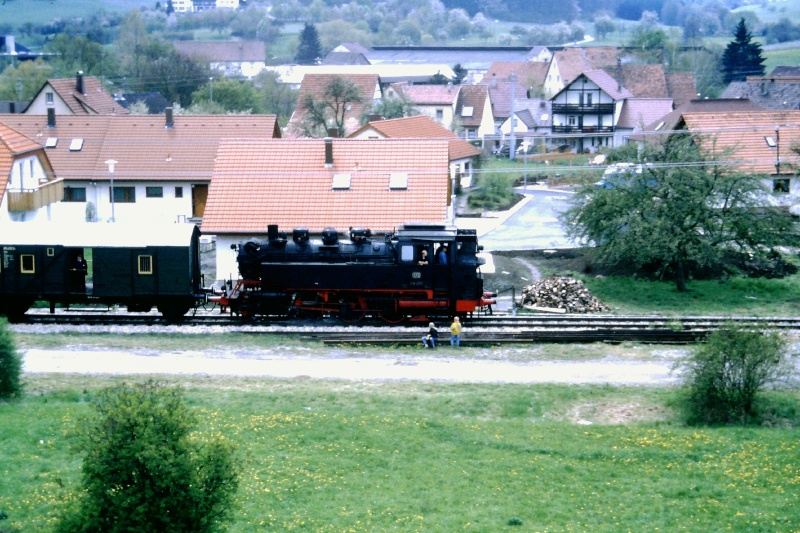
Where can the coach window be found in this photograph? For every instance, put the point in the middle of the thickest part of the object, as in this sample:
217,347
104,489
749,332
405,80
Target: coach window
145,264
27,264
154,192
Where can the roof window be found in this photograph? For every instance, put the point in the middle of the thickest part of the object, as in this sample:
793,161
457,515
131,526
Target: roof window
76,145
770,141
341,181
660,125
467,111
51,142
398,180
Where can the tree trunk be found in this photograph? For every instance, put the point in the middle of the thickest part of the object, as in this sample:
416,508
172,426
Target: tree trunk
680,277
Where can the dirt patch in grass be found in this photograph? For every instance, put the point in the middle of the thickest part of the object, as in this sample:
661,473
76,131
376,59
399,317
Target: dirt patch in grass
616,413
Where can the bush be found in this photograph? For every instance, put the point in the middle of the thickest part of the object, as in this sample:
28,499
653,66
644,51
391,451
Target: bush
724,376
494,192
143,471
10,365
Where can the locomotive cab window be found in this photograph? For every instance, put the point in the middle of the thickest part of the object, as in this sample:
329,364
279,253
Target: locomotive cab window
145,264
27,264
51,252
407,253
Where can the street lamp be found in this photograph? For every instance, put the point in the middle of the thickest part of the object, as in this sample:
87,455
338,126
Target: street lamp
111,164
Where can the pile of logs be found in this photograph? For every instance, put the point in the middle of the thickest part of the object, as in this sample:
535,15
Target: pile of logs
560,295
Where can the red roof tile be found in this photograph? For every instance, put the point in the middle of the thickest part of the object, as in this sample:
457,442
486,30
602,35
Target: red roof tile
422,127
142,144
745,133
286,182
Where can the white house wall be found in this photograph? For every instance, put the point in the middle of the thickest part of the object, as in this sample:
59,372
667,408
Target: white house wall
168,208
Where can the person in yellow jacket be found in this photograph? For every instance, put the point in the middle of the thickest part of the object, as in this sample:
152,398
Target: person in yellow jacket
455,332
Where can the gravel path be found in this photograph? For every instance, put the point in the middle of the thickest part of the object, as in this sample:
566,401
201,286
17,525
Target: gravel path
348,366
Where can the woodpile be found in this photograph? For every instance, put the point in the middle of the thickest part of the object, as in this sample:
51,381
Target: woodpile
560,295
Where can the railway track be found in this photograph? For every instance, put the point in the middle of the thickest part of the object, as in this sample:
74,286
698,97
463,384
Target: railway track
479,330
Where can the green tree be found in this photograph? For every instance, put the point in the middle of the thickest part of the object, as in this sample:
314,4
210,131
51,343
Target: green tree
23,81
390,107
132,45
76,53
144,470
174,75
742,57
309,50
10,364
231,95
277,98
331,109
604,25
723,377
681,212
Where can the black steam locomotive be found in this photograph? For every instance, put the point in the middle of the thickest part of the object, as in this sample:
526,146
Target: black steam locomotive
419,270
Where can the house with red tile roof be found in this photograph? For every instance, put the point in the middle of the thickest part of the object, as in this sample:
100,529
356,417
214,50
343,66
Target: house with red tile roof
760,142
377,184
586,112
314,87
436,101
637,113
82,95
474,115
229,58
163,163
27,185
659,129
462,154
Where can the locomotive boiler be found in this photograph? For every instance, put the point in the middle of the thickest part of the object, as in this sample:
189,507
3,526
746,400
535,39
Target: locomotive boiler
420,270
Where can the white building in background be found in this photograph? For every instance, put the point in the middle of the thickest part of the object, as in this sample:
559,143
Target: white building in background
189,6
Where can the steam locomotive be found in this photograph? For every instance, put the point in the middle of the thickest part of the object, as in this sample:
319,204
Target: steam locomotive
420,270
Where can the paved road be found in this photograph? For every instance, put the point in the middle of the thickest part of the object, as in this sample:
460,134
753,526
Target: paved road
532,224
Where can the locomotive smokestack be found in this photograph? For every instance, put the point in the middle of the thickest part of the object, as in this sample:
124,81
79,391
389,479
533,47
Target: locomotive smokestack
328,152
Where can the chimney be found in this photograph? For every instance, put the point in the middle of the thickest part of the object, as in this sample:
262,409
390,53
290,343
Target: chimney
51,117
169,119
11,47
79,84
328,152
333,132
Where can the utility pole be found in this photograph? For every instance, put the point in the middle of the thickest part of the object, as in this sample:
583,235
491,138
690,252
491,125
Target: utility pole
512,148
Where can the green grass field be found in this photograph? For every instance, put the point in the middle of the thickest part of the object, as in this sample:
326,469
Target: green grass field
345,456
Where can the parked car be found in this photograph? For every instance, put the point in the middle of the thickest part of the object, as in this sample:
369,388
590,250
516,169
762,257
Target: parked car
503,151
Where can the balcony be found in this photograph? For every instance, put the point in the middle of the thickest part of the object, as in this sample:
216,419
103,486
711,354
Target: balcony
32,199
580,109
584,129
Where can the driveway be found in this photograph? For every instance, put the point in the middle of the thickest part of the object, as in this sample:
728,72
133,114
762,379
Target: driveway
531,224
